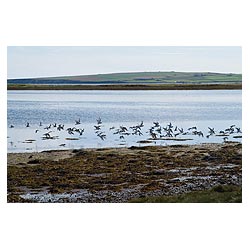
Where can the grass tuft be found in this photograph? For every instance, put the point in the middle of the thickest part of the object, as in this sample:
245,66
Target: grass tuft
217,194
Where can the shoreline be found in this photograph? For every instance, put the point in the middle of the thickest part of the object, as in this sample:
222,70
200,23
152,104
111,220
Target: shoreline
122,174
125,87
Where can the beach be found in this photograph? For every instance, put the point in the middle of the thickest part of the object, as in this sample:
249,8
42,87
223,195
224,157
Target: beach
132,174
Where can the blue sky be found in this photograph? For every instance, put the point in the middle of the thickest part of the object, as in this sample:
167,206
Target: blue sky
39,61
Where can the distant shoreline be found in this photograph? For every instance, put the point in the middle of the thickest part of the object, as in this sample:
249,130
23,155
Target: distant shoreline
124,87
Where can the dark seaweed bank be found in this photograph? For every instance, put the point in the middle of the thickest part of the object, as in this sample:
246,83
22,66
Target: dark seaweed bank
178,173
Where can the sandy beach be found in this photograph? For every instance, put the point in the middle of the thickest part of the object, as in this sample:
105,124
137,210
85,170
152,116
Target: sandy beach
122,174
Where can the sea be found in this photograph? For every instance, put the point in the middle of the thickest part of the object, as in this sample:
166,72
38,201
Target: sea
62,119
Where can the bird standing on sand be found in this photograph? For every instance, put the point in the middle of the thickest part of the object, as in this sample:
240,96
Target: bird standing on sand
225,139
47,135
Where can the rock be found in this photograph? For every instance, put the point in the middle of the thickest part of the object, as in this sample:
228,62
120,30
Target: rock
33,161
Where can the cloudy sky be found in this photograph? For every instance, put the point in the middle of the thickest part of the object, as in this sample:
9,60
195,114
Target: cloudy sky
39,61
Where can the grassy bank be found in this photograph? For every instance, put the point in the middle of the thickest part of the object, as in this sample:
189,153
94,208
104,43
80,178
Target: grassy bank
124,87
132,81
159,77
217,194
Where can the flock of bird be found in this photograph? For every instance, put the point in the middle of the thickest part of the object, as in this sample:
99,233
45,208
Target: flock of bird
155,132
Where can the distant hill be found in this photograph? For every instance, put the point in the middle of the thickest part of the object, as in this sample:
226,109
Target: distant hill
138,78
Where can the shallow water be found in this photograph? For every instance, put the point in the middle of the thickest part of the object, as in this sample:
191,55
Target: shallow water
218,109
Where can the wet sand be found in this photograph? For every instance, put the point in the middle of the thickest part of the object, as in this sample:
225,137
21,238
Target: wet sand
122,174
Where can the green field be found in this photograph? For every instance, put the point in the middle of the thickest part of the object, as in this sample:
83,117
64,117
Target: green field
138,78
217,194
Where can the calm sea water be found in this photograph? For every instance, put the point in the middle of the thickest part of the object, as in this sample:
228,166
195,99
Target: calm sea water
218,109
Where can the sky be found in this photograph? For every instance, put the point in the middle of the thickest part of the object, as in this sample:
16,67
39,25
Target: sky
44,61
